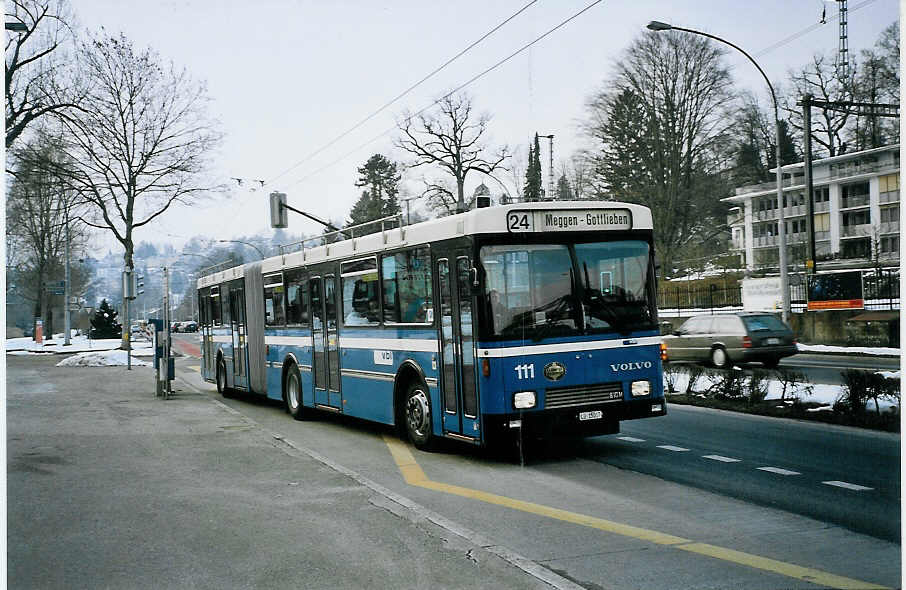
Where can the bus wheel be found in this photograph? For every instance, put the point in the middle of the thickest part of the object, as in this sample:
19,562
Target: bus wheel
418,417
222,388
293,394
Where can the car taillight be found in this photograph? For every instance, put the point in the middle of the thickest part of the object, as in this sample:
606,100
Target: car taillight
486,367
746,342
663,351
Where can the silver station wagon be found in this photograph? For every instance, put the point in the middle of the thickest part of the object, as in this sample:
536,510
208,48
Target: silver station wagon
722,340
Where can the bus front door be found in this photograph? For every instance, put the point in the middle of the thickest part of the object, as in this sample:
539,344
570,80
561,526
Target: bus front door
460,395
325,345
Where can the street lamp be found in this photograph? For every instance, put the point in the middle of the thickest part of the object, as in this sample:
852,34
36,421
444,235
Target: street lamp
257,249
784,279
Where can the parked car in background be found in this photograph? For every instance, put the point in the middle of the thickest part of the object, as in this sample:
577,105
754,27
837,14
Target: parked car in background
722,340
188,326
174,327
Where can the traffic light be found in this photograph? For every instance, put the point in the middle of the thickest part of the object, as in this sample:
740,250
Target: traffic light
278,210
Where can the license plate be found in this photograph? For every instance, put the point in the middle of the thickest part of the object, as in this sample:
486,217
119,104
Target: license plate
593,415
772,341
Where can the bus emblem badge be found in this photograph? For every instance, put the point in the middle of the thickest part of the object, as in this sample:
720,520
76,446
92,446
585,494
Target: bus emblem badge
554,371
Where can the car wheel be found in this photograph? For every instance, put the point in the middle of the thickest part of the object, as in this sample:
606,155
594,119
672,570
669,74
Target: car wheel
293,394
719,357
222,388
418,417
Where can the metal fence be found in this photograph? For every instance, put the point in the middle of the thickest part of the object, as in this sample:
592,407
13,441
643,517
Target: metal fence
881,291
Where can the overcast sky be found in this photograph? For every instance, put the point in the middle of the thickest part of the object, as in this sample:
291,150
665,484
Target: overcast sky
288,77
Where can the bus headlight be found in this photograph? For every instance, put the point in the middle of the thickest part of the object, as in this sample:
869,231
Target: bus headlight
640,388
523,400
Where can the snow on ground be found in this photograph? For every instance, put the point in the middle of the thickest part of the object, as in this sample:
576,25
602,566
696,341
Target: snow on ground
101,358
822,393
879,351
78,343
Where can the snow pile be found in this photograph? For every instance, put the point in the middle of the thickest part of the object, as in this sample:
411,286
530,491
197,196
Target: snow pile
103,358
879,351
822,393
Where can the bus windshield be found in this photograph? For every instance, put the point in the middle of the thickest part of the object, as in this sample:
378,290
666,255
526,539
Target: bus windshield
544,290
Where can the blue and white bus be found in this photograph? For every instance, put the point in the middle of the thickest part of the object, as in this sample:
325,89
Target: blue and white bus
533,318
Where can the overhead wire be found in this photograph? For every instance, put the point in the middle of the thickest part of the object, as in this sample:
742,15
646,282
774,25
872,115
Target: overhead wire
809,29
403,93
455,90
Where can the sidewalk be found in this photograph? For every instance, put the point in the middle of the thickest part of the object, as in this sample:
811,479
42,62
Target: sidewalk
125,490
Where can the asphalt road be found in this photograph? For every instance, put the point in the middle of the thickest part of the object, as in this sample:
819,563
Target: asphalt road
826,368
772,462
695,473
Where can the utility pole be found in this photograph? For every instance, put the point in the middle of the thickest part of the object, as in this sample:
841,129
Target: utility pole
66,290
843,53
550,171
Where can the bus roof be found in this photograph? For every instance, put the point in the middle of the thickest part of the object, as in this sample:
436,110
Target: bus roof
545,216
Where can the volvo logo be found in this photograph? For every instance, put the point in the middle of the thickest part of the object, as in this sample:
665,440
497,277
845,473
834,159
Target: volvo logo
629,366
554,371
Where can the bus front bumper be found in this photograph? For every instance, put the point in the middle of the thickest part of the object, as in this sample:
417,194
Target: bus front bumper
586,420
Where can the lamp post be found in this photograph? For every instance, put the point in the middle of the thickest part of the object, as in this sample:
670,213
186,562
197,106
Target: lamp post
784,278
257,249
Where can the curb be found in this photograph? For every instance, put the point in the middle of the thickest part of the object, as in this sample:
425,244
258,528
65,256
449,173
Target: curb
524,564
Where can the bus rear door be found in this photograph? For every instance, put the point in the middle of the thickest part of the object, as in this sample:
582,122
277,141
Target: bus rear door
325,342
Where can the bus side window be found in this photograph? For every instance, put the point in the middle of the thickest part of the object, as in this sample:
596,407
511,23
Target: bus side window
407,287
273,300
296,299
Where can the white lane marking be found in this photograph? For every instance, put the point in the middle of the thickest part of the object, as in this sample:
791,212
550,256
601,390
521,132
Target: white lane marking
672,448
779,471
631,439
848,486
722,459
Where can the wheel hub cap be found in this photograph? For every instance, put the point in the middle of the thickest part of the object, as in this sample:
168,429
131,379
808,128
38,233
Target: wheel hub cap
417,413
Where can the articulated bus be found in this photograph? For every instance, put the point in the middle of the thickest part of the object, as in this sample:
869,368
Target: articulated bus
530,318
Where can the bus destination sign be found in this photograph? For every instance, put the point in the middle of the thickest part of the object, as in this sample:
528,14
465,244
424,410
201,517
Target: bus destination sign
557,220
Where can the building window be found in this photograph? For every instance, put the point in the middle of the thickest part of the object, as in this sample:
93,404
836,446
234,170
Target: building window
854,195
890,244
889,182
822,222
821,194
856,218
889,214
859,248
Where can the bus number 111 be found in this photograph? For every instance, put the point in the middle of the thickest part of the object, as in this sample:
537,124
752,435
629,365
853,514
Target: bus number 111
525,371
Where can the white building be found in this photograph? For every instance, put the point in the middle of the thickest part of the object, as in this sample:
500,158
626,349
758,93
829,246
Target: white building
856,212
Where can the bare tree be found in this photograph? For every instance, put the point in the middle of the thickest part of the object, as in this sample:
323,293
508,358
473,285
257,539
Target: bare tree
821,79
38,208
35,66
658,127
141,141
452,140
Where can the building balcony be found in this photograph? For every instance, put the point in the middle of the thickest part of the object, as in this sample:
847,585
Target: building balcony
855,231
890,227
854,201
855,170
822,236
890,197
766,241
822,207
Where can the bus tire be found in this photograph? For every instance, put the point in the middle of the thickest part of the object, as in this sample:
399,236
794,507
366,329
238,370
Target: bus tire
292,393
222,388
417,413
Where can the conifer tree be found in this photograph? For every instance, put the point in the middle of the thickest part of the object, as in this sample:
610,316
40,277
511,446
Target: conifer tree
532,190
564,191
381,179
104,324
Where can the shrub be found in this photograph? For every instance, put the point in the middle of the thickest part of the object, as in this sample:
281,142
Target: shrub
757,385
792,382
860,387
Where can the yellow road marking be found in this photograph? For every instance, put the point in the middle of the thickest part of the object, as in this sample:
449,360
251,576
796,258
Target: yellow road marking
415,476
195,368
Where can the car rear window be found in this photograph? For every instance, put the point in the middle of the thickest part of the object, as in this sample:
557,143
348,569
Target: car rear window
757,323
